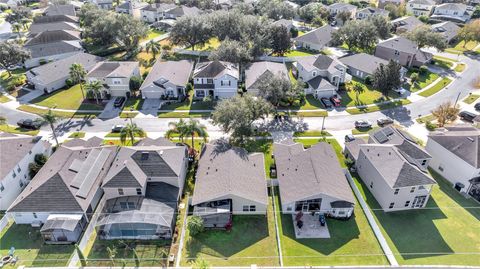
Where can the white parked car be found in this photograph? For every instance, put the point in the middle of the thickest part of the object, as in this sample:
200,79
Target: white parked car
400,91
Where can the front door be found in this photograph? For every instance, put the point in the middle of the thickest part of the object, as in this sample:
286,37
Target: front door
419,201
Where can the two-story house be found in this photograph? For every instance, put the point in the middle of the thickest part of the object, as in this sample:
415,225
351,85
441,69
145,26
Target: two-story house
216,79
167,80
17,153
155,12
383,3
182,10
115,77
456,156
420,7
323,74
456,12
447,29
337,8
405,24
103,4
141,190
368,12
131,7
402,51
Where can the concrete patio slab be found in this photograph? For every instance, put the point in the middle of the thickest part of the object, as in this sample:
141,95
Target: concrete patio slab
311,227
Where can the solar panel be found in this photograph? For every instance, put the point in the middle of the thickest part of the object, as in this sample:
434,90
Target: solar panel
388,131
381,138
93,173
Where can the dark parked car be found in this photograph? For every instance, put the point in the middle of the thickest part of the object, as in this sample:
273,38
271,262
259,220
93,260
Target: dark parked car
326,102
119,101
30,124
359,124
349,138
467,116
117,128
384,121
322,220
336,101
477,106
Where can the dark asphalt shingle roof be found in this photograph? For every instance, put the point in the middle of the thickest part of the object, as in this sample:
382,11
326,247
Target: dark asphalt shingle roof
12,150
53,10
363,62
53,36
463,143
259,70
176,72
320,36
215,69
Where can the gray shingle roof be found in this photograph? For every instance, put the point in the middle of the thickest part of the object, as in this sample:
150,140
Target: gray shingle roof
305,173
223,170
413,150
259,70
448,29
161,141
216,69
353,147
399,43
113,69
319,83
13,149
53,36
321,62
89,143
184,11
422,2
55,48
176,72
53,10
37,28
159,7
407,23
363,62
320,36
463,143
56,18
374,11
402,140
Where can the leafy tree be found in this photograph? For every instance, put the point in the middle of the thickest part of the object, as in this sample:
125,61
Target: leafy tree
130,31
423,18
16,28
231,51
81,257
190,31
237,115
424,36
135,83
387,77
361,35
50,119
274,88
395,11
295,93
201,4
445,113
226,24
131,130
12,53
94,89
382,25
276,9
313,11
414,77
18,14
37,164
195,225
470,32
77,75
280,39
154,47
344,16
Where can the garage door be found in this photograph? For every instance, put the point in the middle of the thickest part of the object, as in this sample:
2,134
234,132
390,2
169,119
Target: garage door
151,95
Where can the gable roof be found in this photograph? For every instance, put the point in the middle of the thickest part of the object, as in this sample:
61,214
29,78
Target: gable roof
258,70
319,83
400,43
422,2
161,141
55,18
216,69
448,29
37,28
159,7
89,143
320,61
109,69
390,135
224,170
374,11
53,10
55,48
464,143
407,23
184,11
13,149
304,173
363,62
320,36
68,181
53,36
342,6
175,72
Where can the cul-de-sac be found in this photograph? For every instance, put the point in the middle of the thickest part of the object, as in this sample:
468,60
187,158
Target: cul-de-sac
240,134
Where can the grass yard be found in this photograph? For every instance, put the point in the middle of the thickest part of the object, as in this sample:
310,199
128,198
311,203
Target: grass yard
150,252
311,103
425,118
189,104
128,115
461,47
16,79
151,34
134,104
197,143
390,105
70,98
311,133
77,135
186,114
41,111
212,44
299,53
17,130
460,67
250,241
364,130
117,142
4,99
423,81
319,113
436,88
30,249
471,99
444,233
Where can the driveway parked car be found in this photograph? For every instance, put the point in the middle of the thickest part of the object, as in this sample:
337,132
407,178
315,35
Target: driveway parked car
117,128
384,121
349,138
359,124
336,101
467,116
327,103
119,101
30,124
400,91
477,106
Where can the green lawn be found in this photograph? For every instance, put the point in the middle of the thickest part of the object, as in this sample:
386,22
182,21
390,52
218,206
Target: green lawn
150,252
425,118
449,225
77,135
319,113
189,104
117,142
70,98
133,103
366,97
212,44
186,114
374,108
436,88
311,103
250,241
17,130
152,33
300,52
197,143
4,99
423,81
460,67
41,111
30,248
18,77
461,47
364,130
311,133
471,98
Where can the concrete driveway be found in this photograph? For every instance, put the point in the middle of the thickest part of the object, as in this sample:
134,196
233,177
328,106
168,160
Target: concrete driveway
110,112
150,107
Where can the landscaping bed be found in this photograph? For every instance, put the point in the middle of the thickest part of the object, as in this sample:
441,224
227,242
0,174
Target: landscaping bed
471,99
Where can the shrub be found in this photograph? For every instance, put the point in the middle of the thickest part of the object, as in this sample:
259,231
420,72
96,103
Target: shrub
40,159
145,74
189,87
423,70
135,83
430,126
69,82
166,47
293,32
368,80
414,77
195,225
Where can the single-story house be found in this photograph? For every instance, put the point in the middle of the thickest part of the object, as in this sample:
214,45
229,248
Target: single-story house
38,27
368,12
229,181
216,79
257,71
115,77
448,29
53,10
405,24
52,76
402,51
316,39
420,7
362,65
167,80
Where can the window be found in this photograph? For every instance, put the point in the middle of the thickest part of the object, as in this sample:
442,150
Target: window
391,205
288,208
225,83
209,81
424,162
314,73
371,184
123,205
30,152
246,208
396,191
2,187
440,168
14,175
139,191
21,184
407,203
413,189
19,169
200,94
120,191
397,52
253,208
117,82
130,205
35,215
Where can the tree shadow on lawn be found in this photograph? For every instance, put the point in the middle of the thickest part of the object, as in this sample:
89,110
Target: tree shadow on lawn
341,232
245,232
400,114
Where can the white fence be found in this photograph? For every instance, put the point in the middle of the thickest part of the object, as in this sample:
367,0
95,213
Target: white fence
5,221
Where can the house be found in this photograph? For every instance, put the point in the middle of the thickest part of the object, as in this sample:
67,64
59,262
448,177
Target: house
55,18
103,4
285,23
383,3
17,153
12,3
400,185
323,74
64,194
167,80
216,79
52,76
363,65
448,29
229,181
39,27
316,39
456,157
141,190
115,77
456,12
405,24
368,12
52,45
257,71
402,51
131,7
155,12
53,10
337,8
311,180
182,10
420,7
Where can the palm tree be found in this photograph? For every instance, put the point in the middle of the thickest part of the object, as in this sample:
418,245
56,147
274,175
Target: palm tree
177,128
358,89
194,127
154,47
16,28
50,119
94,88
130,131
77,75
